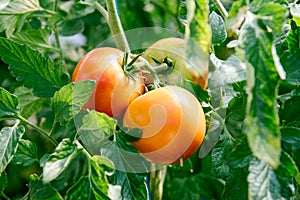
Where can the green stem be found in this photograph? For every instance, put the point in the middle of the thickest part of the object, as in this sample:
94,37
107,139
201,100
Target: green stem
116,26
39,130
157,178
56,35
151,70
221,8
102,10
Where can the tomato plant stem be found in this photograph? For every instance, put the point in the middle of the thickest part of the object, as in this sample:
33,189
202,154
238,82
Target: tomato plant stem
39,130
157,178
56,35
116,26
220,8
102,10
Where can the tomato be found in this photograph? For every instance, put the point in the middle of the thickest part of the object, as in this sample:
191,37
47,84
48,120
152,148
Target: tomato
172,123
113,90
174,49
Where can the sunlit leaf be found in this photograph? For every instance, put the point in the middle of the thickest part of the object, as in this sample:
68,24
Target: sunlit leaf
58,161
262,120
9,141
67,102
9,104
21,7
33,68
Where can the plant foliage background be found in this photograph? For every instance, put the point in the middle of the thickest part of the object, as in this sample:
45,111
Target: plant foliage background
252,103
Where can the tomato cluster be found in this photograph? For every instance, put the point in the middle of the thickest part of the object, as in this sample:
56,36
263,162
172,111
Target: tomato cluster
170,117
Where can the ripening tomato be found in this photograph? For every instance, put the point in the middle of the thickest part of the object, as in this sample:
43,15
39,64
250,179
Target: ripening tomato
174,50
113,90
172,123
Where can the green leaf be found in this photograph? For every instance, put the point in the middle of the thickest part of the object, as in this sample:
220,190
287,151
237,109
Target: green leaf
241,155
9,23
27,153
33,68
218,29
71,27
262,120
287,167
38,190
196,21
236,186
3,184
86,2
58,161
219,155
67,102
29,103
227,71
290,135
273,15
133,185
95,185
199,186
215,129
9,140
96,130
36,39
9,104
4,3
263,183
291,64
21,7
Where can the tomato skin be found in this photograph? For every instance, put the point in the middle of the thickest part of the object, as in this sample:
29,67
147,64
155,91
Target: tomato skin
172,122
174,48
113,90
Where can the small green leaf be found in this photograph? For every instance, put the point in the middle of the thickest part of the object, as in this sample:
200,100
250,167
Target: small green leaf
241,155
273,15
290,135
219,155
227,71
67,102
38,190
287,167
133,185
95,185
33,68
9,141
96,130
71,27
263,183
21,7
26,154
131,135
58,161
9,104
9,23
218,29
215,129
36,39
29,103
291,64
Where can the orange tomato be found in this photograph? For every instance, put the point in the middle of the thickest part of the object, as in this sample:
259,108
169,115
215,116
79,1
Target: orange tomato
172,123
114,90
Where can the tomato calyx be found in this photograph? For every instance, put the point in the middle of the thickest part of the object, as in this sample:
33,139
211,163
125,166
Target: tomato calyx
132,69
164,67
